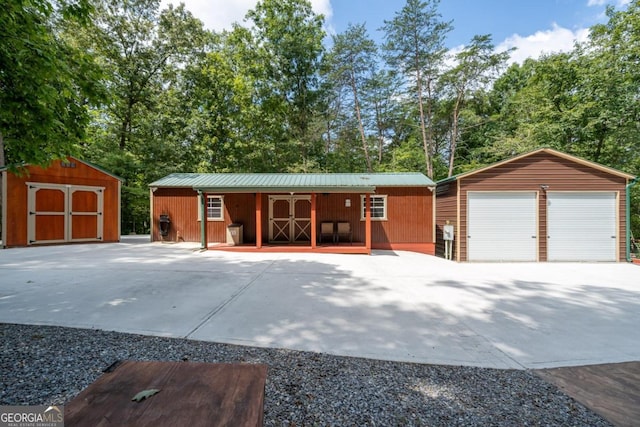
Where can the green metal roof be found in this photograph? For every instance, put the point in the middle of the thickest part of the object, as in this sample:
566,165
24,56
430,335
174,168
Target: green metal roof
286,182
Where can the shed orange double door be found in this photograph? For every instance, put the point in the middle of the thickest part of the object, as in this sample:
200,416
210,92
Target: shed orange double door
60,213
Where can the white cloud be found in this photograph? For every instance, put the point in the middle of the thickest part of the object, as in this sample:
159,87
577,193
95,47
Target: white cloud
218,15
554,40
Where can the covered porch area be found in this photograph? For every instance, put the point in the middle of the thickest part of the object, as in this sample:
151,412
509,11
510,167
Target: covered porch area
327,222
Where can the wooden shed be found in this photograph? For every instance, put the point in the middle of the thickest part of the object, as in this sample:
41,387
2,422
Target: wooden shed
345,213
69,201
540,206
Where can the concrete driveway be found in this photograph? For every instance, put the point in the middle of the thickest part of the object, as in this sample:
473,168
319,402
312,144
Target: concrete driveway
392,305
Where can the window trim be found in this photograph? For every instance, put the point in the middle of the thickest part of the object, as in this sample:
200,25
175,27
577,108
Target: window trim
385,207
211,196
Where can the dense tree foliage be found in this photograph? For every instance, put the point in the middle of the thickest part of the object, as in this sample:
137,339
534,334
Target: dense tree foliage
145,92
45,82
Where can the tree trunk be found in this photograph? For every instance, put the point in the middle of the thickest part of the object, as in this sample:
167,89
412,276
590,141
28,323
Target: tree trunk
2,158
380,132
423,128
360,125
454,134
2,164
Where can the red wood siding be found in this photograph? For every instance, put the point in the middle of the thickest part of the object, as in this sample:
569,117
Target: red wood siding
528,174
410,215
81,174
181,204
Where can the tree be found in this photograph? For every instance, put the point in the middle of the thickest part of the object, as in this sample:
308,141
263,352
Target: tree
352,59
610,74
288,44
414,45
44,82
381,91
141,50
476,65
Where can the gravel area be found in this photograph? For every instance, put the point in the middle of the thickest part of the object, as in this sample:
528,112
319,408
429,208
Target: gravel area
42,365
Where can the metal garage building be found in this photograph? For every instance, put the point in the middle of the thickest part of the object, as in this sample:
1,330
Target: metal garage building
541,206
69,201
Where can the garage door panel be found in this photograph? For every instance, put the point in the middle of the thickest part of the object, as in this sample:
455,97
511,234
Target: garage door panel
84,201
581,226
84,227
49,228
50,200
502,226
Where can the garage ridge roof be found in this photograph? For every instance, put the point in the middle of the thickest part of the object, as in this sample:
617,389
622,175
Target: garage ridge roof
540,150
307,182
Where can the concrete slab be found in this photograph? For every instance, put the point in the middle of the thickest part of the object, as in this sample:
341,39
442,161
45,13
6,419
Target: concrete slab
391,305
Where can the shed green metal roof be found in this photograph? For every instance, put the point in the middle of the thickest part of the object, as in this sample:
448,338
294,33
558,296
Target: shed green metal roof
286,182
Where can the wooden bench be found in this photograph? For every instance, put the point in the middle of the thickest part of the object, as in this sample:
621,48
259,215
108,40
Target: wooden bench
191,394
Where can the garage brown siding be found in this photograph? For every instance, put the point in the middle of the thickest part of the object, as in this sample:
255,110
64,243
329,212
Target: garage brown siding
75,173
446,209
531,172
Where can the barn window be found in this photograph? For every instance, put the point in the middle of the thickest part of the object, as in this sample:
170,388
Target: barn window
215,208
378,207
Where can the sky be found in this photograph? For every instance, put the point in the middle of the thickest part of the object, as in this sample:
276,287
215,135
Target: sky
532,27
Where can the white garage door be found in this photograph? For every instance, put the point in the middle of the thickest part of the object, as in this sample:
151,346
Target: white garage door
581,226
502,226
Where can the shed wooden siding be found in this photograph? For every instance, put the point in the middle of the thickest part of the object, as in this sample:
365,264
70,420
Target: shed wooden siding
81,174
528,174
181,204
409,215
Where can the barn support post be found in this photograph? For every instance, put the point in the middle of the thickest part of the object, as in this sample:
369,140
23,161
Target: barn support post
367,216
628,217
258,220
203,220
313,220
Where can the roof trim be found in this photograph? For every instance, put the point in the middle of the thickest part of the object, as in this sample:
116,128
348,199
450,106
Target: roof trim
98,168
284,189
540,150
91,165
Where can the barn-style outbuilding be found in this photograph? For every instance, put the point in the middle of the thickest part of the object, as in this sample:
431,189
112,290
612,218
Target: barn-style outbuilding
342,213
540,206
69,201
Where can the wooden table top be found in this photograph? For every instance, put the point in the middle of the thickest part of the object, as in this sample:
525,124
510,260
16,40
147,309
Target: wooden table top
191,394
